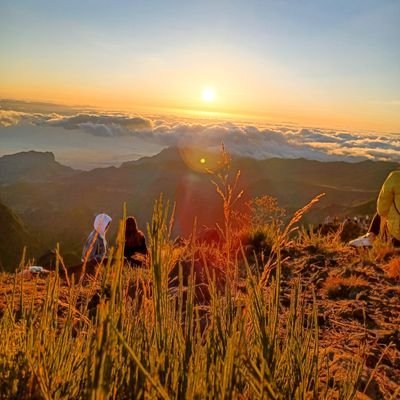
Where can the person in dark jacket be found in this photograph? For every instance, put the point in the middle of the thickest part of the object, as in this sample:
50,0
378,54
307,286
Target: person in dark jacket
135,243
95,248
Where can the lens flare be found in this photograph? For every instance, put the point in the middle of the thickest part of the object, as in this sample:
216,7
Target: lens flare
199,159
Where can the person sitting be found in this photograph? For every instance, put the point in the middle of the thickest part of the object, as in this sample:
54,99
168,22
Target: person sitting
387,216
95,248
135,243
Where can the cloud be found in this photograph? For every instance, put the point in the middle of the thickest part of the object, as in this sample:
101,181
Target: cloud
9,118
101,124
246,140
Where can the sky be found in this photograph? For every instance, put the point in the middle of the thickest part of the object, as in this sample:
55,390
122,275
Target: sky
312,62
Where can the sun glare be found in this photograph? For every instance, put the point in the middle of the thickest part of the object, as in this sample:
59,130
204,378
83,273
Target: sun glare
208,94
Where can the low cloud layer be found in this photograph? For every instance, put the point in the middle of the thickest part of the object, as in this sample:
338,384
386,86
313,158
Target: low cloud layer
241,139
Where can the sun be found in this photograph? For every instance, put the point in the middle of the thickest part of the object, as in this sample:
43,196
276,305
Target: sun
208,94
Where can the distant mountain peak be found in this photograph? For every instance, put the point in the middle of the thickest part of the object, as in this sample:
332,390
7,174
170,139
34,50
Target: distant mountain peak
34,166
31,155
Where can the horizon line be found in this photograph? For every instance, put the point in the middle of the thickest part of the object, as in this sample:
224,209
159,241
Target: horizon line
197,114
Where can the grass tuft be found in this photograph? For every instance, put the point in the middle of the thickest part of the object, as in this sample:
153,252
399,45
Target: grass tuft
392,268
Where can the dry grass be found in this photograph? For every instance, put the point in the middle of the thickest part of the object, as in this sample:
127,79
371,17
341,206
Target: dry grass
143,338
393,268
338,287
147,339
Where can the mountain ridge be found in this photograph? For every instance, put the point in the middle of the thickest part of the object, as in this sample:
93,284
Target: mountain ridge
32,166
61,204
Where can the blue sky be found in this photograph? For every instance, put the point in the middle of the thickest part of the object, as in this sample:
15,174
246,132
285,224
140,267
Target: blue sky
286,59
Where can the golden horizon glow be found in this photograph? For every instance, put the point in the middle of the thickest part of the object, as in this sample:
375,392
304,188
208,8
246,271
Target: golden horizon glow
269,94
208,95
363,118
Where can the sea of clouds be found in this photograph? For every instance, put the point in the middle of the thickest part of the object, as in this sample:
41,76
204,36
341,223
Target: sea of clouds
150,134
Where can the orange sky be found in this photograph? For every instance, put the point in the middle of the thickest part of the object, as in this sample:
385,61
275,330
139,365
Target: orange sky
310,65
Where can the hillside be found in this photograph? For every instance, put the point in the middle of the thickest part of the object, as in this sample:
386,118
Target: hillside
57,202
356,309
13,238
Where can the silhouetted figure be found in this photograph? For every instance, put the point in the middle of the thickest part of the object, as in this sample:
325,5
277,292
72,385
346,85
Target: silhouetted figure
95,248
135,243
